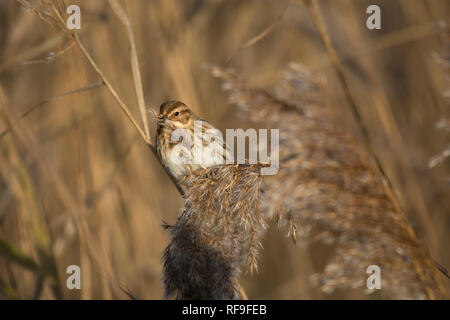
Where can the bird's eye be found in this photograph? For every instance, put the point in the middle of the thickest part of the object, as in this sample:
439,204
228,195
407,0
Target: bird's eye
176,113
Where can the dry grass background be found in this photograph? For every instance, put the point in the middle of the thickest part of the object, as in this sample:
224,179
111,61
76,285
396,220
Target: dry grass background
106,175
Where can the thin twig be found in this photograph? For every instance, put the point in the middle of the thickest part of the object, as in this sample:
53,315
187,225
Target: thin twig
51,56
33,108
260,35
111,89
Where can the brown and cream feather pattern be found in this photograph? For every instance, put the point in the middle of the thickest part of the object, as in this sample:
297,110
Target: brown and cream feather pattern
176,115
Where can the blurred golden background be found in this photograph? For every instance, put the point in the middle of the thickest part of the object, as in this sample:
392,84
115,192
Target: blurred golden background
102,166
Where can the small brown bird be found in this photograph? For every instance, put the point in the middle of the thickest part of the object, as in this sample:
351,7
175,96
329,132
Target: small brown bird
184,142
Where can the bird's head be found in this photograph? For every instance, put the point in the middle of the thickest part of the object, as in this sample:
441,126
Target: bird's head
175,113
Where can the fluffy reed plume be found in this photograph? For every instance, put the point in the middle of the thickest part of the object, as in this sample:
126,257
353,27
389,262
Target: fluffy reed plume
217,236
45,10
326,191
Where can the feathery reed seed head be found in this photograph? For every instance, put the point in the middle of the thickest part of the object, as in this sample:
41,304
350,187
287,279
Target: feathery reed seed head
327,191
217,236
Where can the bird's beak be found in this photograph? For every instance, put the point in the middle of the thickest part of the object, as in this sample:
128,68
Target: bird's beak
161,119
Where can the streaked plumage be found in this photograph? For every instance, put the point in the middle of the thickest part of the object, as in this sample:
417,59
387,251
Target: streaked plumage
176,149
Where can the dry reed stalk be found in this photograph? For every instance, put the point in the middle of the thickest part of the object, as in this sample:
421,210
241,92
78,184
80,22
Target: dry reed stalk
134,61
443,60
53,16
217,237
327,191
316,13
17,256
382,104
179,51
76,211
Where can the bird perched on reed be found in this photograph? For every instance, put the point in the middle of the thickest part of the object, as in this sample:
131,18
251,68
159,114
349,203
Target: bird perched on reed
185,143
219,232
